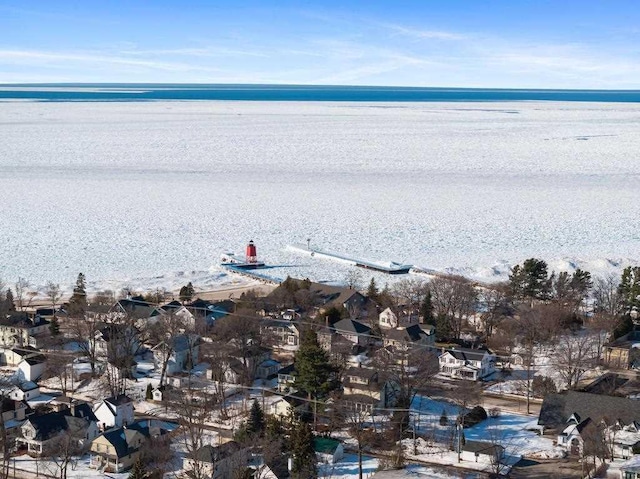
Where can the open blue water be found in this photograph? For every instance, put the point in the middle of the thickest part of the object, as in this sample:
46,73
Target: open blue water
149,92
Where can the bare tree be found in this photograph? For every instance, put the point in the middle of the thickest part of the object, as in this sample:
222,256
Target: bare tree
54,294
23,295
410,292
67,447
354,279
573,357
83,330
194,410
59,366
496,302
454,300
607,298
164,333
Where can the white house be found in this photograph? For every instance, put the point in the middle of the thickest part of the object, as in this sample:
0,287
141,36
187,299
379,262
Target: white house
32,367
183,353
571,435
40,434
20,329
115,411
25,391
218,462
390,318
464,363
14,356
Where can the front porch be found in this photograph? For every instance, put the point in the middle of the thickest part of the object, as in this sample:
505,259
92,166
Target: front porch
105,463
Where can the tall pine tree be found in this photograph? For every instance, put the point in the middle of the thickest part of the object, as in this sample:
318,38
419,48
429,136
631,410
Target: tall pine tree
78,301
138,471
629,288
426,309
255,423
314,372
303,452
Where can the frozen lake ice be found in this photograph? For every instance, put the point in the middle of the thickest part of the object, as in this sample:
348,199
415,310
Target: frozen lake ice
152,193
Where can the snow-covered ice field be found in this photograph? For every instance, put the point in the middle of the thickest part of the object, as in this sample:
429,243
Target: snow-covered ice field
152,193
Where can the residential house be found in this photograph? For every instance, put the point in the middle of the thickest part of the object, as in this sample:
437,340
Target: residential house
41,434
32,367
15,355
328,450
397,317
366,389
557,409
211,311
218,462
19,329
286,333
117,450
322,297
135,307
354,331
480,451
630,469
116,411
571,436
174,309
115,341
288,405
267,369
286,378
24,391
405,337
183,351
465,363
13,415
340,349
622,353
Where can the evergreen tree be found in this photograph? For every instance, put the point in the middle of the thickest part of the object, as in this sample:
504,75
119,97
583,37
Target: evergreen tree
531,280
78,301
444,419
426,310
149,392
138,471
372,290
303,452
314,372
187,292
8,300
255,423
54,327
629,288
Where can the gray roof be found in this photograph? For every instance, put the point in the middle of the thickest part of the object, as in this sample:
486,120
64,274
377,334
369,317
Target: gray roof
213,454
411,333
351,326
482,447
468,354
557,408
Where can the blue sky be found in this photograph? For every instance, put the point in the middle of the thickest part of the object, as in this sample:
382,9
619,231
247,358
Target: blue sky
473,43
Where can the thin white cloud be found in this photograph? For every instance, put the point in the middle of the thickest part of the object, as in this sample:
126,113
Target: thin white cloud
45,58
194,52
420,34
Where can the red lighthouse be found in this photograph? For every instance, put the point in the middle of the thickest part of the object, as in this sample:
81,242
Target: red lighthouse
252,255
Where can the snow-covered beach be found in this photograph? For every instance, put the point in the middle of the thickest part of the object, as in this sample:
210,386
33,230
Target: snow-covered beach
150,194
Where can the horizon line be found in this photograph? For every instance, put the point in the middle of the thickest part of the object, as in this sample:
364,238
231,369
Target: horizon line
307,85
